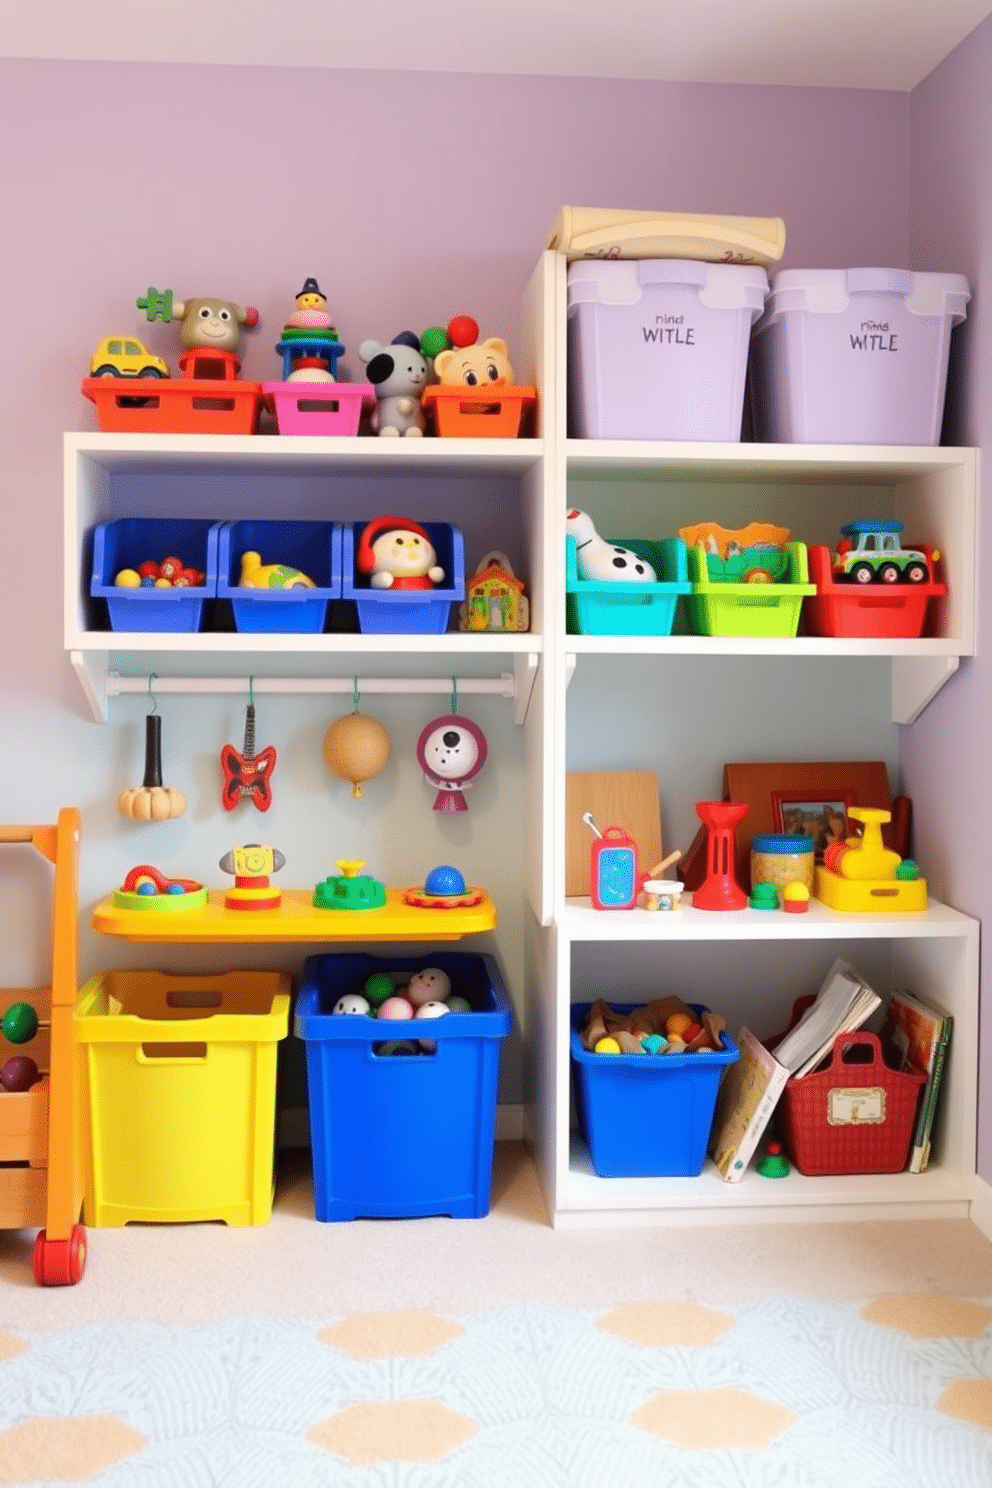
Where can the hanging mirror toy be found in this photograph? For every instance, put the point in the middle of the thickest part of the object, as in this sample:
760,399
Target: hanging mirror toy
152,801
247,775
451,751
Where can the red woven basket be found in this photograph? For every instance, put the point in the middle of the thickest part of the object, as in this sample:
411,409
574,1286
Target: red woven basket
854,1116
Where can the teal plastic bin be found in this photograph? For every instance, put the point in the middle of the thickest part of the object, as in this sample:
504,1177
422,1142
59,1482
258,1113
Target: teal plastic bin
611,607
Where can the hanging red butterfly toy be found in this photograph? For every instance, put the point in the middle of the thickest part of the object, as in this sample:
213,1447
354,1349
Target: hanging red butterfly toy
247,775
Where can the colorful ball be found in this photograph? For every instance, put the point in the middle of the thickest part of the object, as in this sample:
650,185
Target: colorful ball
352,1004
127,578
463,330
19,1073
435,340
20,1023
430,985
379,986
607,1045
396,1008
458,1004
444,880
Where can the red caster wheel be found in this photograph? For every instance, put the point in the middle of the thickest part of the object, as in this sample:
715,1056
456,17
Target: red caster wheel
60,1262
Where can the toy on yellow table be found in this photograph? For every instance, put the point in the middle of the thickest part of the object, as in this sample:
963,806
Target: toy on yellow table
251,865
351,889
861,875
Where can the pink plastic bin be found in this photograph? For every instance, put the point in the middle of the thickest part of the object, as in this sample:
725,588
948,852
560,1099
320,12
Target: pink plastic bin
317,407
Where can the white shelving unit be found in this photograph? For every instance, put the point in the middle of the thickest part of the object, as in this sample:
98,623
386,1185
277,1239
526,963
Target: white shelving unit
751,965
521,490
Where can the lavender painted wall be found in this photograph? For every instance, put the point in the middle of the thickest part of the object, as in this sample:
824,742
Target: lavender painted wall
412,197
945,755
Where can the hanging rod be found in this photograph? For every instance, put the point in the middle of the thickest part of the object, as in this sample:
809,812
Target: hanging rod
502,686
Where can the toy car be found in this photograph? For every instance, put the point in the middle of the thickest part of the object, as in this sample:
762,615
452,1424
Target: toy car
126,356
870,552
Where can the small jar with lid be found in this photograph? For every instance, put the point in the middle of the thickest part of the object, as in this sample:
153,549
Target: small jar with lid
782,858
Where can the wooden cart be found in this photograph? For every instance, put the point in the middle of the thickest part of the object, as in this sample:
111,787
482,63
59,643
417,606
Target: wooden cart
40,1168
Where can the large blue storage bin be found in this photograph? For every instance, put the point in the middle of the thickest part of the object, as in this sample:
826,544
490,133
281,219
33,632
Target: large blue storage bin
128,542
396,1136
406,611
312,547
646,1115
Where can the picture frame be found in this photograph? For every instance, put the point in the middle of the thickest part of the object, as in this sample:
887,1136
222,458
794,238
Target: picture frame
792,796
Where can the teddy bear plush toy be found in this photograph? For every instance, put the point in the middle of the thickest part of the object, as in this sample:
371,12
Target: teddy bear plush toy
483,364
398,554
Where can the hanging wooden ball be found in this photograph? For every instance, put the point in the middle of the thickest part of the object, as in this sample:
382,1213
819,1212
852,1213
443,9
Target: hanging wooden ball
357,748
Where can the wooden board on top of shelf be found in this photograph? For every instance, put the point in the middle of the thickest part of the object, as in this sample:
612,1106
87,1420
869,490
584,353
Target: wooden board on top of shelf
616,798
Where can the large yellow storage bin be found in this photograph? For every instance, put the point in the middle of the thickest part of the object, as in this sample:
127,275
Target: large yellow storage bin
179,1085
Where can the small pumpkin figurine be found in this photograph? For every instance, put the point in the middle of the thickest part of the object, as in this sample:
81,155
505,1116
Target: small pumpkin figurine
152,801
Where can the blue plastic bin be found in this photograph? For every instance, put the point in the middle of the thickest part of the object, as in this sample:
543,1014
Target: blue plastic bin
406,611
312,547
128,542
393,1135
646,1115
611,607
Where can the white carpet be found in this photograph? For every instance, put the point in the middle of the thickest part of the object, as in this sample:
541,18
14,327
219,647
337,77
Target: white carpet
472,1354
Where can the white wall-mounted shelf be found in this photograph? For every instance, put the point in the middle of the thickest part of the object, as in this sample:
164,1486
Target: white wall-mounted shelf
614,699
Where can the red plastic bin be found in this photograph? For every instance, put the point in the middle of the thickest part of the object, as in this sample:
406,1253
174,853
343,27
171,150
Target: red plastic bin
175,405
879,611
853,1115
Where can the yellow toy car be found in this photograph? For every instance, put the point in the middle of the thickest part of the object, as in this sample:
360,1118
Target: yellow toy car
126,356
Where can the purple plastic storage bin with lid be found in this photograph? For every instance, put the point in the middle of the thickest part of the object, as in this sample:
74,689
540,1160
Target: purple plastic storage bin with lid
854,356
657,347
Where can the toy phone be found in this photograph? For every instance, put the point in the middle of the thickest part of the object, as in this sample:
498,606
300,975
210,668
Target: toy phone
614,876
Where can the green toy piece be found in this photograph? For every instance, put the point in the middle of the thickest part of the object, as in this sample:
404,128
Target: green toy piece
349,891
764,896
774,1164
435,339
156,303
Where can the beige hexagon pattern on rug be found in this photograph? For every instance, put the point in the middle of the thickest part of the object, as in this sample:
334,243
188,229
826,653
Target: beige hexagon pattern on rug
666,1324
10,1345
45,1449
968,1400
391,1335
423,1430
929,1315
703,1420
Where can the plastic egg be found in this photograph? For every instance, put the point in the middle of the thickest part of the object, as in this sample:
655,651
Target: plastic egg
677,1023
395,1008
351,1002
444,880
127,578
429,985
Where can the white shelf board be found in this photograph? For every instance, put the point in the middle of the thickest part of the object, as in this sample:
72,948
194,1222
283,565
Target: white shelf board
716,646
808,465
302,454
699,1200
579,921
227,643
